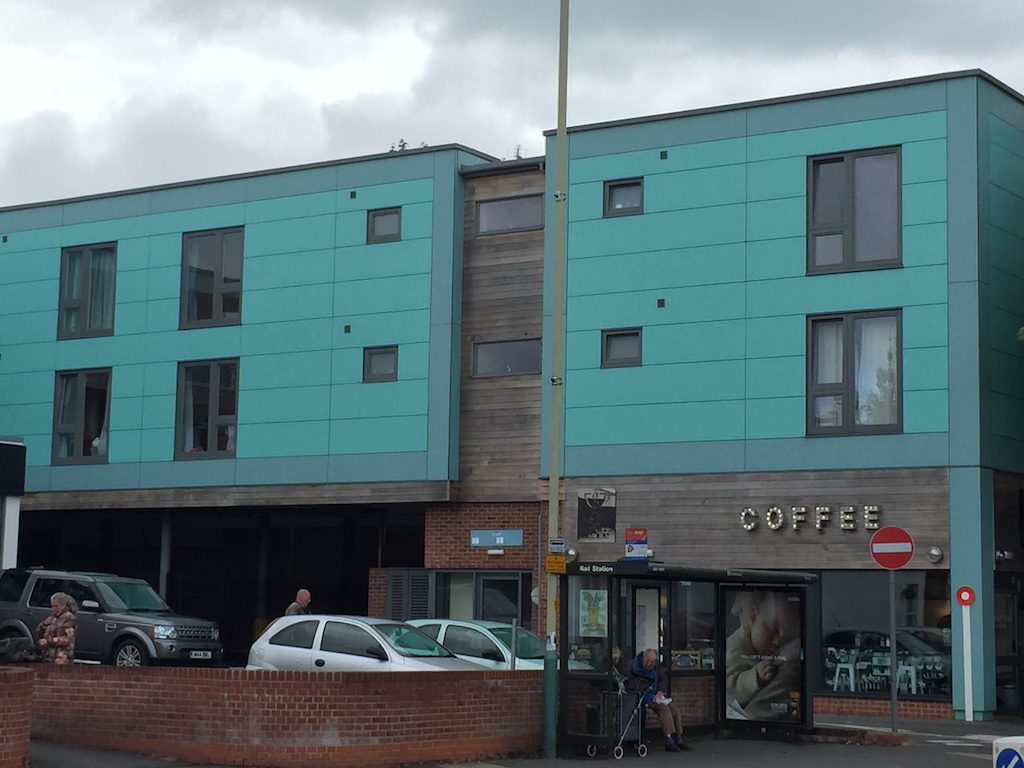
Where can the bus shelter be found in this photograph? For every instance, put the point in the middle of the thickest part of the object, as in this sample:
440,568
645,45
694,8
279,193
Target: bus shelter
731,643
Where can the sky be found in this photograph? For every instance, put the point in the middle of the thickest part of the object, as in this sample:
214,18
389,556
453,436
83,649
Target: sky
102,95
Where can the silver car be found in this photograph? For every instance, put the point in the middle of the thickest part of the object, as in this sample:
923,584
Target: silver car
325,643
486,643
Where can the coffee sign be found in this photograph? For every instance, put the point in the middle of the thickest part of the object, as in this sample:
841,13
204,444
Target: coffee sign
845,517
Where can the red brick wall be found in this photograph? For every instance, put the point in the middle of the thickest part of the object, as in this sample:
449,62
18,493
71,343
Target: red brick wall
15,716
234,717
853,707
376,604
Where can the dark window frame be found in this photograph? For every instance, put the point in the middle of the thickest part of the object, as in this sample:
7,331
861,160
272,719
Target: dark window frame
368,352
609,186
848,226
475,374
625,362
499,200
217,320
79,426
371,218
214,419
846,388
83,303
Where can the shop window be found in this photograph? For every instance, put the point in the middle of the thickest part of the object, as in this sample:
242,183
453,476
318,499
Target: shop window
620,348
506,358
485,595
854,373
856,649
624,197
211,278
207,409
384,225
854,211
380,364
81,423
513,214
87,277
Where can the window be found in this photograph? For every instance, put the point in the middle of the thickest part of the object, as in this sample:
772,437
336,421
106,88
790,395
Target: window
345,638
207,409
87,275
854,211
623,198
81,421
298,635
430,630
211,278
384,225
81,591
854,373
693,625
45,588
12,584
380,364
514,214
506,358
620,347
471,642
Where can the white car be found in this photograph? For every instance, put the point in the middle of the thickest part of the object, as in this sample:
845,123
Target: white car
322,643
487,643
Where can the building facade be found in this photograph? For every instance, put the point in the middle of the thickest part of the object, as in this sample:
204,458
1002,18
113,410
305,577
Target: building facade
788,323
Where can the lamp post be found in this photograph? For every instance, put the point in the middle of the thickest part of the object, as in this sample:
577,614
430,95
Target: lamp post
555,413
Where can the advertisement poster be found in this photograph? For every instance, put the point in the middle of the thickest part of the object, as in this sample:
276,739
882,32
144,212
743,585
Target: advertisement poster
763,655
595,514
593,612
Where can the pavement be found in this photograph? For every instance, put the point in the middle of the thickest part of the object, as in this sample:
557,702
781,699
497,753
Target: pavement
839,743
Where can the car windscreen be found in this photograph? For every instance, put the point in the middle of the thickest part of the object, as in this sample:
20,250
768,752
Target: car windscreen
528,645
409,641
132,596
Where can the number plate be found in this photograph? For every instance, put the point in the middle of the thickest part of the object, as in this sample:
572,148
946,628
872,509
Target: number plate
200,654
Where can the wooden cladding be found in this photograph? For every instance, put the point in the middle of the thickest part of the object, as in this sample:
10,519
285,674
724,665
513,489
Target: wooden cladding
700,519
502,300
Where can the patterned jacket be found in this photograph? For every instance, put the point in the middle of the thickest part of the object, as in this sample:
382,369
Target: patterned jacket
59,634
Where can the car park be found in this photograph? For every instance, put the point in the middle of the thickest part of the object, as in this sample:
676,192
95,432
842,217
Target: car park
488,643
120,620
324,643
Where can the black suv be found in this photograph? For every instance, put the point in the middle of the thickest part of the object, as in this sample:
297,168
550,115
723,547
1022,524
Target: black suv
121,621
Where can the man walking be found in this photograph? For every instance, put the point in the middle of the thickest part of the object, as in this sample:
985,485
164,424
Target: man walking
301,604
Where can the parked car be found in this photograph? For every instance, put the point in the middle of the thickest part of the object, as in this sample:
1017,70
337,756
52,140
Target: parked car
121,621
349,644
489,643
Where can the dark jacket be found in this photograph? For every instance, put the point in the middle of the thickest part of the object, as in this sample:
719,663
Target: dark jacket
647,681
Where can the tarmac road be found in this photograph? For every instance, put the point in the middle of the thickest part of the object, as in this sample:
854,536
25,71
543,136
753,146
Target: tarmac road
933,744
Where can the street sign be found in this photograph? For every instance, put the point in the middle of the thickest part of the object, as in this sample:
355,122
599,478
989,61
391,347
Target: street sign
508,537
554,563
1008,758
556,546
891,547
965,595
636,544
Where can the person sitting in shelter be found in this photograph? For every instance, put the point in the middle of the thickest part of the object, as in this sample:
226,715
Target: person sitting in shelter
652,683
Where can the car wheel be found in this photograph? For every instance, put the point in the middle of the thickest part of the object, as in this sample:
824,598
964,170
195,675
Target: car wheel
130,653
10,634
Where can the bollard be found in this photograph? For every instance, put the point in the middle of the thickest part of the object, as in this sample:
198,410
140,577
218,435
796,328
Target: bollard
1008,752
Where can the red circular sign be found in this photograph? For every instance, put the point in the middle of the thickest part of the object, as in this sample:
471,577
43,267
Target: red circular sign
964,595
891,547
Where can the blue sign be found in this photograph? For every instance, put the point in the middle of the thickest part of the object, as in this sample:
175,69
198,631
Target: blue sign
509,537
1008,758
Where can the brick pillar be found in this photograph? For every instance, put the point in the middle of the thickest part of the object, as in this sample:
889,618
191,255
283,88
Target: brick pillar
15,716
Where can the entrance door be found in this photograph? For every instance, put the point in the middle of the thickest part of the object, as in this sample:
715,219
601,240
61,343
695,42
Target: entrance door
499,598
1008,646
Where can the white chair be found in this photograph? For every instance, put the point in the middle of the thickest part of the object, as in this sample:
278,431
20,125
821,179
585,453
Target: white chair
848,664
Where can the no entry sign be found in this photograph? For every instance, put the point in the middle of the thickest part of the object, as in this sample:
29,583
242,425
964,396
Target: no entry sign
891,547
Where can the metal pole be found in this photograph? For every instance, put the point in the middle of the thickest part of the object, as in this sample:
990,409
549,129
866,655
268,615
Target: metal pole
555,416
893,656
515,632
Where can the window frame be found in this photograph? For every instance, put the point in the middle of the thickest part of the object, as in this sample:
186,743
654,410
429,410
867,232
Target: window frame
79,428
371,218
368,352
475,374
498,200
83,303
848,226
217,320
846,388
214,419
627,362
609,186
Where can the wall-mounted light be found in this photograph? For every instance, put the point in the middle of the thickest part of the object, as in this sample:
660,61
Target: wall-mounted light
1003,555
495,551
935,555
571,555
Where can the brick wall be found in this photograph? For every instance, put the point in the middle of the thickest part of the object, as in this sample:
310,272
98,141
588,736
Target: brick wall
234,717
853,707
15,716
376,603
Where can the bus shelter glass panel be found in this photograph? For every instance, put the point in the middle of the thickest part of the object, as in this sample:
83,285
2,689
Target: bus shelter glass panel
693,626
764,658
587,681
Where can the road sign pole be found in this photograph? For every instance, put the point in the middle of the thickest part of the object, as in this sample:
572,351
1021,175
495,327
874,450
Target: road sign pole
968,671
893,656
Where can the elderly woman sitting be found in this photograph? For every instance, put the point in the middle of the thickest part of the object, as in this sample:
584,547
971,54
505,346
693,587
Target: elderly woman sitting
55,634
